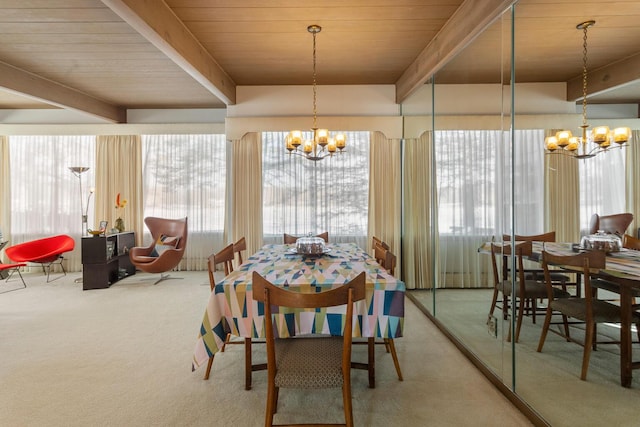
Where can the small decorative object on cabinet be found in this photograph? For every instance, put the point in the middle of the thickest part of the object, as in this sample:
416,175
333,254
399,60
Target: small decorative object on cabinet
105,259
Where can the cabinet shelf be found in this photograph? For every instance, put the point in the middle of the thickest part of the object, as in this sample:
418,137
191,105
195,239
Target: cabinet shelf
105,259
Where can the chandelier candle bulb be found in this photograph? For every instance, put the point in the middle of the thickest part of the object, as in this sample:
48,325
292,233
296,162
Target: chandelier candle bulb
296,137
331,146
600,134
340,141
621,135
551,143
563,137
323,137
308,146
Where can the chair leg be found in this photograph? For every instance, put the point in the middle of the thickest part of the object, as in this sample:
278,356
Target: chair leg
247,364
346,400
565,321
371,353
390,343
545,328
519,320
588,343
209,364
494,301
270,410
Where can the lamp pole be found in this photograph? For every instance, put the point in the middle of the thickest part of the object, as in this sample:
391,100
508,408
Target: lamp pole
78,171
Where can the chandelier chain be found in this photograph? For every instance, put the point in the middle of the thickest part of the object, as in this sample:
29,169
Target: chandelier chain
584,75
315,126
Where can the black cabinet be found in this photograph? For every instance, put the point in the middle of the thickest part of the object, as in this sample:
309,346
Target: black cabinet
105,259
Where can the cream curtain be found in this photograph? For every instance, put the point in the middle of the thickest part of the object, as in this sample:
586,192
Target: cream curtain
633,181
385,194
562,196
118,170
246,191
5,193
419,223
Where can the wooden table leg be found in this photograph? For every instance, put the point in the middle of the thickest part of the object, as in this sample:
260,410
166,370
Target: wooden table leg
625,336
372,362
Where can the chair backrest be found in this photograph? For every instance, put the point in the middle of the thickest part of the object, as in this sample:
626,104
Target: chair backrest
238,247
544,237
168,227
225,257
385,258
614,224
272,295
46,249
290,239
587,263
377,241
522,249
630,242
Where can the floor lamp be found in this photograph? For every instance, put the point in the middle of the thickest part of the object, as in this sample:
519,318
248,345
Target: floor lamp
78,171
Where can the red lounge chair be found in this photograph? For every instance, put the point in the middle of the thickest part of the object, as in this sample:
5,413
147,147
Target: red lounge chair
47,251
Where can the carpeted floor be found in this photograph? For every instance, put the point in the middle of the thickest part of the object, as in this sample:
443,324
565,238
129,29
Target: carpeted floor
549,381
122,357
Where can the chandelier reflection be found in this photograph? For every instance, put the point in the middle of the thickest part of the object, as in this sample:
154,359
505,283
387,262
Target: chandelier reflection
591,143
321,144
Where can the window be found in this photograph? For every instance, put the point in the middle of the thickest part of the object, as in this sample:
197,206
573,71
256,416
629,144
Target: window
185,175
46,198
602,186
474,182
301,196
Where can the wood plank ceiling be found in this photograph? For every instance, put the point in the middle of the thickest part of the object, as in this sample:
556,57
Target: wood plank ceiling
103,57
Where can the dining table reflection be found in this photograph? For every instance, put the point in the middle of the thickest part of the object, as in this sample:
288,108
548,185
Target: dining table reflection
623,268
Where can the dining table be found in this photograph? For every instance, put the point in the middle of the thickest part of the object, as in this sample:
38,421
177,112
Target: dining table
232,309
623,268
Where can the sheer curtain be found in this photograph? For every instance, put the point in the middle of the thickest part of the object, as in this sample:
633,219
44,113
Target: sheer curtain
301,196
602,186
184,176
474,197
45,195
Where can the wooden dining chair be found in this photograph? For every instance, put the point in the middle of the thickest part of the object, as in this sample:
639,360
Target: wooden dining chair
588,309
614,224
526,290
376,241
225,257
387,260
308,362
238,247
558,278
291,239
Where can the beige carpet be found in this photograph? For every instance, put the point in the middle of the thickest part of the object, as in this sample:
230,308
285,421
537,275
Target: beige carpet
549,381
122,357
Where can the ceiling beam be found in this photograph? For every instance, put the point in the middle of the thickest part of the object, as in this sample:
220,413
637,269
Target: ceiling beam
33,86
605,78
468,21
156,22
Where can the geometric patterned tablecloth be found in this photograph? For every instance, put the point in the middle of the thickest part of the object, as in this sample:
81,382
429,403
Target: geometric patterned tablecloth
231,306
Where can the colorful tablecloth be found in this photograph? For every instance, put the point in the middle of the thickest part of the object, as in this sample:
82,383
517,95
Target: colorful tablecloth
231,307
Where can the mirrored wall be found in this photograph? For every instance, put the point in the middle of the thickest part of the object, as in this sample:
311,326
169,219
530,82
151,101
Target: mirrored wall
487,181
